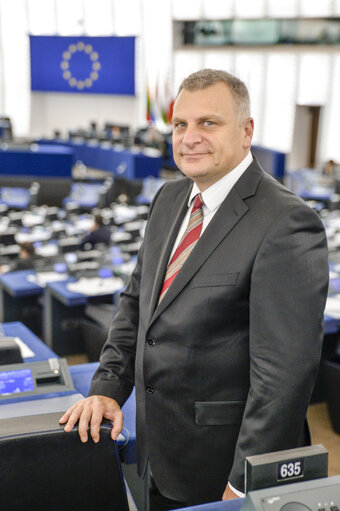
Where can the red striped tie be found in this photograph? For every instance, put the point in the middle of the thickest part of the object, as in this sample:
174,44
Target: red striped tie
186,245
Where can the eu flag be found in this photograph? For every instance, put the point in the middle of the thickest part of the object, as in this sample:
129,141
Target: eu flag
91,65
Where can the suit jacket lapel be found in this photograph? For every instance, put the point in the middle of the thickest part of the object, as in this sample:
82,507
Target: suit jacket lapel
230,212
180,208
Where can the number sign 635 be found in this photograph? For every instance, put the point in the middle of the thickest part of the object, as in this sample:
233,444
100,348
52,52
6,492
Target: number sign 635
290,469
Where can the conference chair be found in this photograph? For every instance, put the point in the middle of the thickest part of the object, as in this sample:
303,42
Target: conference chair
42,468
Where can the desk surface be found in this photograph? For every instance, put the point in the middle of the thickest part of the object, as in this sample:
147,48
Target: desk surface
40,350
68,298
60,290
16,284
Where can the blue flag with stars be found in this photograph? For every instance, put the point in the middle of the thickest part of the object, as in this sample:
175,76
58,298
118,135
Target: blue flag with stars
90,65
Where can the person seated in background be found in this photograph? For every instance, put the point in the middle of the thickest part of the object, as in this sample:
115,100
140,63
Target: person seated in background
154,138
330,168
99,233
26,256
24,261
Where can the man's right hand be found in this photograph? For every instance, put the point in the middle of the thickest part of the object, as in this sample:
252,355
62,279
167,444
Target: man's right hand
90,412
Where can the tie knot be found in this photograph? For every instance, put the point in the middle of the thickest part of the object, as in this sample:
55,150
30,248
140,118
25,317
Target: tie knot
198,202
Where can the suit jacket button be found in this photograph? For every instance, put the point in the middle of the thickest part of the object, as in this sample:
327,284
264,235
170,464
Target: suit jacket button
150,389
151,342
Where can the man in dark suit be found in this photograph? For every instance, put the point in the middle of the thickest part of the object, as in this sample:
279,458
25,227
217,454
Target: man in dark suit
223,350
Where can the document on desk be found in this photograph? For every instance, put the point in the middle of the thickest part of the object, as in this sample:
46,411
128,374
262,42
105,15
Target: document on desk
25,351
42,278
332,308
96,286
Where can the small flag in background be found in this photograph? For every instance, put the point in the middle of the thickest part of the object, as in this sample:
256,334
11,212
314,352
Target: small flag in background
160,105
92,65
150,114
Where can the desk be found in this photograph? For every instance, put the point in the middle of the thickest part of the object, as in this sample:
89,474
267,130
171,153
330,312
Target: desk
19,299
17,284
40,350
62,315
81,376
120,162
37,160
63,312
41,402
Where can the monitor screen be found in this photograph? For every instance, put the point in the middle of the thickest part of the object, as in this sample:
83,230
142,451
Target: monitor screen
19,380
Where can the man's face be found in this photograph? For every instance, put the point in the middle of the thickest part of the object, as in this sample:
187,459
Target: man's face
208,138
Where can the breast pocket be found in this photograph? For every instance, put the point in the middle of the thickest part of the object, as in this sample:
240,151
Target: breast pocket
219,413
216,279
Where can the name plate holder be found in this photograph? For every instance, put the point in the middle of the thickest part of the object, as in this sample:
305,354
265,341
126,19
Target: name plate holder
288,466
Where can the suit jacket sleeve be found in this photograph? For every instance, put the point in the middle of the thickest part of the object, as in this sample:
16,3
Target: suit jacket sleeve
115,375
287,297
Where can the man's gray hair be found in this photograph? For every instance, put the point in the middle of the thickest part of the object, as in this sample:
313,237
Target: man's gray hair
207,77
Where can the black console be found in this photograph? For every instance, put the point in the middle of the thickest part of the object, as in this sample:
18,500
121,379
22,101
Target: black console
29,380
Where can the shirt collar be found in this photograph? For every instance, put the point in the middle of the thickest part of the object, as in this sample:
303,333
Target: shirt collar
216,193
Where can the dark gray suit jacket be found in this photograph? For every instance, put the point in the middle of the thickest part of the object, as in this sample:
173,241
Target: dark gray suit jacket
224,367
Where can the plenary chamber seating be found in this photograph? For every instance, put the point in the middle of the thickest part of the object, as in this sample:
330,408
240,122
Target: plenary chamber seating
42,468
